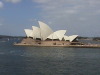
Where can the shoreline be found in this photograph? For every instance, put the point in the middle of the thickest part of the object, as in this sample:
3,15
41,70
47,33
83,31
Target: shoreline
70,46
35,43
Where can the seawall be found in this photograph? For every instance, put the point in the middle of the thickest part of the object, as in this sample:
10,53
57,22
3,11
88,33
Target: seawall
31,42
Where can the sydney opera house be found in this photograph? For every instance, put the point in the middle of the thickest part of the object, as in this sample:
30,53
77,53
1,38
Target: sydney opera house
45,36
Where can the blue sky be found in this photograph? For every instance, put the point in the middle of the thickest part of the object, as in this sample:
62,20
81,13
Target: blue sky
81,17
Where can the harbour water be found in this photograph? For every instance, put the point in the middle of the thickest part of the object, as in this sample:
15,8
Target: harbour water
27,60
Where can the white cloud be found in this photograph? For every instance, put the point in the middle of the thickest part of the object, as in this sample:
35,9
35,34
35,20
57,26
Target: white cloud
41,1
1,4
71,11
94,2
67,5
67,8
1,24
72,14
13,1
82,19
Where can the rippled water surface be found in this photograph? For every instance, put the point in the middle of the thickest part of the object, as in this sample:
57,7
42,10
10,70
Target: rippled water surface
21,60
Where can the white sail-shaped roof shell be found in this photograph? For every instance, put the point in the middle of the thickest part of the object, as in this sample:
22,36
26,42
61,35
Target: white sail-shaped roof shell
53,36
57,35
67,38
45,30
70,38
36,32
29,32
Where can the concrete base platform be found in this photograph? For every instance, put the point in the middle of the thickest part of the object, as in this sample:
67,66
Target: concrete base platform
31,42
